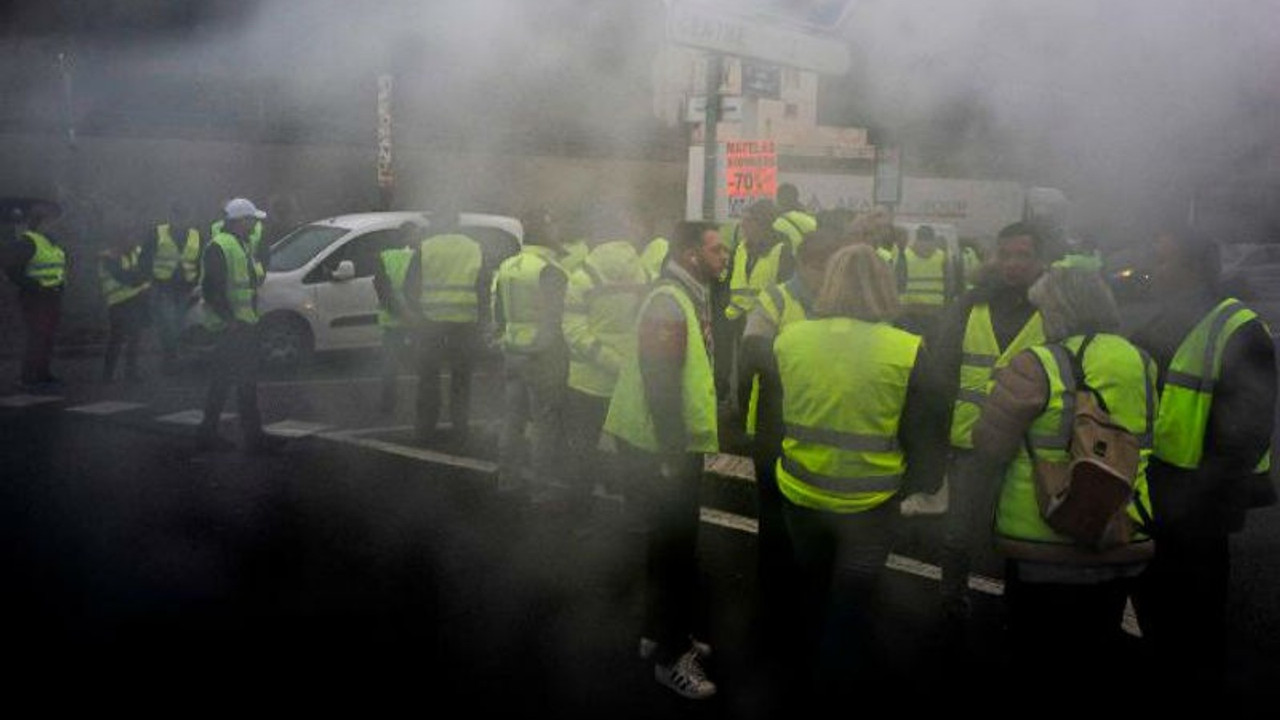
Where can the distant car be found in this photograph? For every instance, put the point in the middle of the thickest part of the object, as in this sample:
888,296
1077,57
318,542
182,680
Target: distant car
318,292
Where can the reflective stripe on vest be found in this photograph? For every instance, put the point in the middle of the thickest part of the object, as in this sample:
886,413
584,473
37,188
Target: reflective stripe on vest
922,281
840,449
518,288
745,285
795,224
1125,378
168,256
981,358
599,315
450,270
630,418
395,263
1187,396
241,282
48,264
114,291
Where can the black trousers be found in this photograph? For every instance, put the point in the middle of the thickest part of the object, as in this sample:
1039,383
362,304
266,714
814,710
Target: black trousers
41,313
1065,639
839,560
584,416
441,345
397,353
775,559
234,362
674,605
127,321
1181,603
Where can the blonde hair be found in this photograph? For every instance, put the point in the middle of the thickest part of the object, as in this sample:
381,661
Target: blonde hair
858,284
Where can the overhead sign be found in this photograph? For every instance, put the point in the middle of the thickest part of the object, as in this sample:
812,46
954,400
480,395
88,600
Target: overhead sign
730,108
761,80
750,173
699,28
386,170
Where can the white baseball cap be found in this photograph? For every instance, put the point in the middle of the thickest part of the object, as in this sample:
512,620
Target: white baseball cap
242,208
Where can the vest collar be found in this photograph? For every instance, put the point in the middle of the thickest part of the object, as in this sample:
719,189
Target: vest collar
696,290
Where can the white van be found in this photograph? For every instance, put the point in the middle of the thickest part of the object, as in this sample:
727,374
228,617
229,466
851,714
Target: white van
318,291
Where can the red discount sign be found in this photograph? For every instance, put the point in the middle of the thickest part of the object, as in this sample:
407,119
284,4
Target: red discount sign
751,173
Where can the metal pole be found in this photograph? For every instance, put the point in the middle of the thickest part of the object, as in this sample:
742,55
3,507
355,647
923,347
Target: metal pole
710,178
68,105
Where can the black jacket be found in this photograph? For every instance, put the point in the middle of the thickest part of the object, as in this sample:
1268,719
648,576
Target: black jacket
1212,499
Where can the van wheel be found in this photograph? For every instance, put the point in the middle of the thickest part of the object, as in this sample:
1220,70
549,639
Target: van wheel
285,342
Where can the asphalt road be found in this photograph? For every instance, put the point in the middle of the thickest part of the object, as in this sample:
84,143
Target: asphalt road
357,567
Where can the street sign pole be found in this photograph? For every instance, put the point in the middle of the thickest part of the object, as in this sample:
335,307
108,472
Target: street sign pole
711,118
386,164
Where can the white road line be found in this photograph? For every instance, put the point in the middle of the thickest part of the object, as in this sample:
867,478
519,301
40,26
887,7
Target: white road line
295,428
190,417
367,431
741,523
21,401
361,379
711,516
415,453
329,381
108,407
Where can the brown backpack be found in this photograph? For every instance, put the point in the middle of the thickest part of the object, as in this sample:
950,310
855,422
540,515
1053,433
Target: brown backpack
1086,498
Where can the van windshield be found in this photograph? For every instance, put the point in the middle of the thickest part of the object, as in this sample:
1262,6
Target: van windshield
298,247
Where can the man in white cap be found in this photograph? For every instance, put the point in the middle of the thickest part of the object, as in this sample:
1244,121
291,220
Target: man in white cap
229,289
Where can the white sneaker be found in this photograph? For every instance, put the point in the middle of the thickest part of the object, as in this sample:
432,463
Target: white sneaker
926,503
686,677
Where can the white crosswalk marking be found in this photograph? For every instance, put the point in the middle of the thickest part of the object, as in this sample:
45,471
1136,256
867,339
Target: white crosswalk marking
109,407
21,401
295,428
190,417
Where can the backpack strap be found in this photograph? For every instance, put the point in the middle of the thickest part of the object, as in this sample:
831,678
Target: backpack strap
1077,372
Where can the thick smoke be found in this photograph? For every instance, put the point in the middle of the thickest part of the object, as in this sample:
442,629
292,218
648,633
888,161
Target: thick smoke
1129,107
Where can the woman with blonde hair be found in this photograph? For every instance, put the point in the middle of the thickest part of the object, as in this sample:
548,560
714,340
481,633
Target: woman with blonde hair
850,399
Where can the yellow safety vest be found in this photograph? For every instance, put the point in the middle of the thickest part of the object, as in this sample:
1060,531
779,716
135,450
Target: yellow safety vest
395,263
980,359
255,243
1187,396
781,305
450,270
573,254
630,418
48,264
113,291
654,255
169,256
840,450
517,286
744,286
240,283
922,282
888,255
1125,378
795,224
599,315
